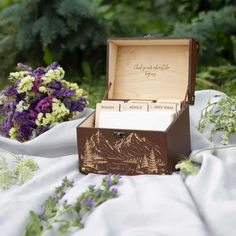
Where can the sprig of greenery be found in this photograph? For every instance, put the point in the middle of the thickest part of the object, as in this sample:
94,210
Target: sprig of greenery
186,166
222,115
21,173
65,216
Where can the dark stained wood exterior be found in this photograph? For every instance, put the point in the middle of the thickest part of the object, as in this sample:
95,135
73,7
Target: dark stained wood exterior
132,152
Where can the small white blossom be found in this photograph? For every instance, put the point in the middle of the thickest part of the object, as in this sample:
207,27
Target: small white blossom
3,99
21,106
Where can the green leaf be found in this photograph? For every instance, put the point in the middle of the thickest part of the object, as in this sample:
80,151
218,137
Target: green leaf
47,57
63,228
50,207
77,223
186,167
33,228
67,183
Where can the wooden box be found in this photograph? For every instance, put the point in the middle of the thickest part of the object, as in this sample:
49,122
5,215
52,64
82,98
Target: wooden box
142,69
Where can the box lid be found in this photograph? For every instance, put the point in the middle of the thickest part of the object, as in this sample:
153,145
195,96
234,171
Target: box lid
151,68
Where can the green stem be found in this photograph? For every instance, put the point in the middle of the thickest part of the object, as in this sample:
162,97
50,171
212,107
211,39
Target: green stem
54,219
214,148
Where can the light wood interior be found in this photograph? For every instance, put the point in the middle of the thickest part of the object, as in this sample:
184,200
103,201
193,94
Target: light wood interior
89,122
148,69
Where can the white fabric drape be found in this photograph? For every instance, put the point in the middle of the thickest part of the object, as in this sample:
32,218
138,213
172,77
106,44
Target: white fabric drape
148,205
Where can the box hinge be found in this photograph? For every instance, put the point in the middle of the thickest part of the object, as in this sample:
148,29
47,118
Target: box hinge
192,100
149,36
107,91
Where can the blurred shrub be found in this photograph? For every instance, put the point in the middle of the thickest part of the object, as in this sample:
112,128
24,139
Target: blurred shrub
212,30
40,31
218,77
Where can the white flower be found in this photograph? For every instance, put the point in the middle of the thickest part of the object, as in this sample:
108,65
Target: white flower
25,84
21,106
3,99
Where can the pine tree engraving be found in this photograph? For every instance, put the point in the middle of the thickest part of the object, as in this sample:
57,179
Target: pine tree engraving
88,158
138,166
144,163
152,166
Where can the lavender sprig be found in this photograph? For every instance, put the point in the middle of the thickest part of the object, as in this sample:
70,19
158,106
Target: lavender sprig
57,212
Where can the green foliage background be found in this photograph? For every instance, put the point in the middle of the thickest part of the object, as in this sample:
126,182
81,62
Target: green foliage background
74,32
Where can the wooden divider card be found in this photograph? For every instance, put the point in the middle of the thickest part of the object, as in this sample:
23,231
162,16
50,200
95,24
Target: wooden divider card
137,115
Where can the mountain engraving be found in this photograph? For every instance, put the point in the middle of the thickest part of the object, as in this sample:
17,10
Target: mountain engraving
130,155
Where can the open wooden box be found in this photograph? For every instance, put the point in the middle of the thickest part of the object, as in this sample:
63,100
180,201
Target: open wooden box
142,69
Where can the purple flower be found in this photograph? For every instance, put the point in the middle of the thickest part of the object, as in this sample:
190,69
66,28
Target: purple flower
39,72
33,114
53,66
108,182
77,105
24,125
10,91
36,101
114,190
64,93
20,96
87,201
17,82
55,85
24,67
37,83
98,192
45,105
24,133
21,117
8,106
6,125
12,105
41,129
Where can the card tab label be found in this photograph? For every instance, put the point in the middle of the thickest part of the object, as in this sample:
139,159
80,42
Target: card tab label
163,106
135,106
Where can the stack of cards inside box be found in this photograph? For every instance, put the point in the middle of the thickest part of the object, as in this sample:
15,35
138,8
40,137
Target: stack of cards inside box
137,114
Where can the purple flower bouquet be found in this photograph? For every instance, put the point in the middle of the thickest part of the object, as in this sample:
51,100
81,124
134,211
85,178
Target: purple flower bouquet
37,100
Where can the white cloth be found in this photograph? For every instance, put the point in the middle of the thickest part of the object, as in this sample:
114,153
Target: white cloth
58,141
148,205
